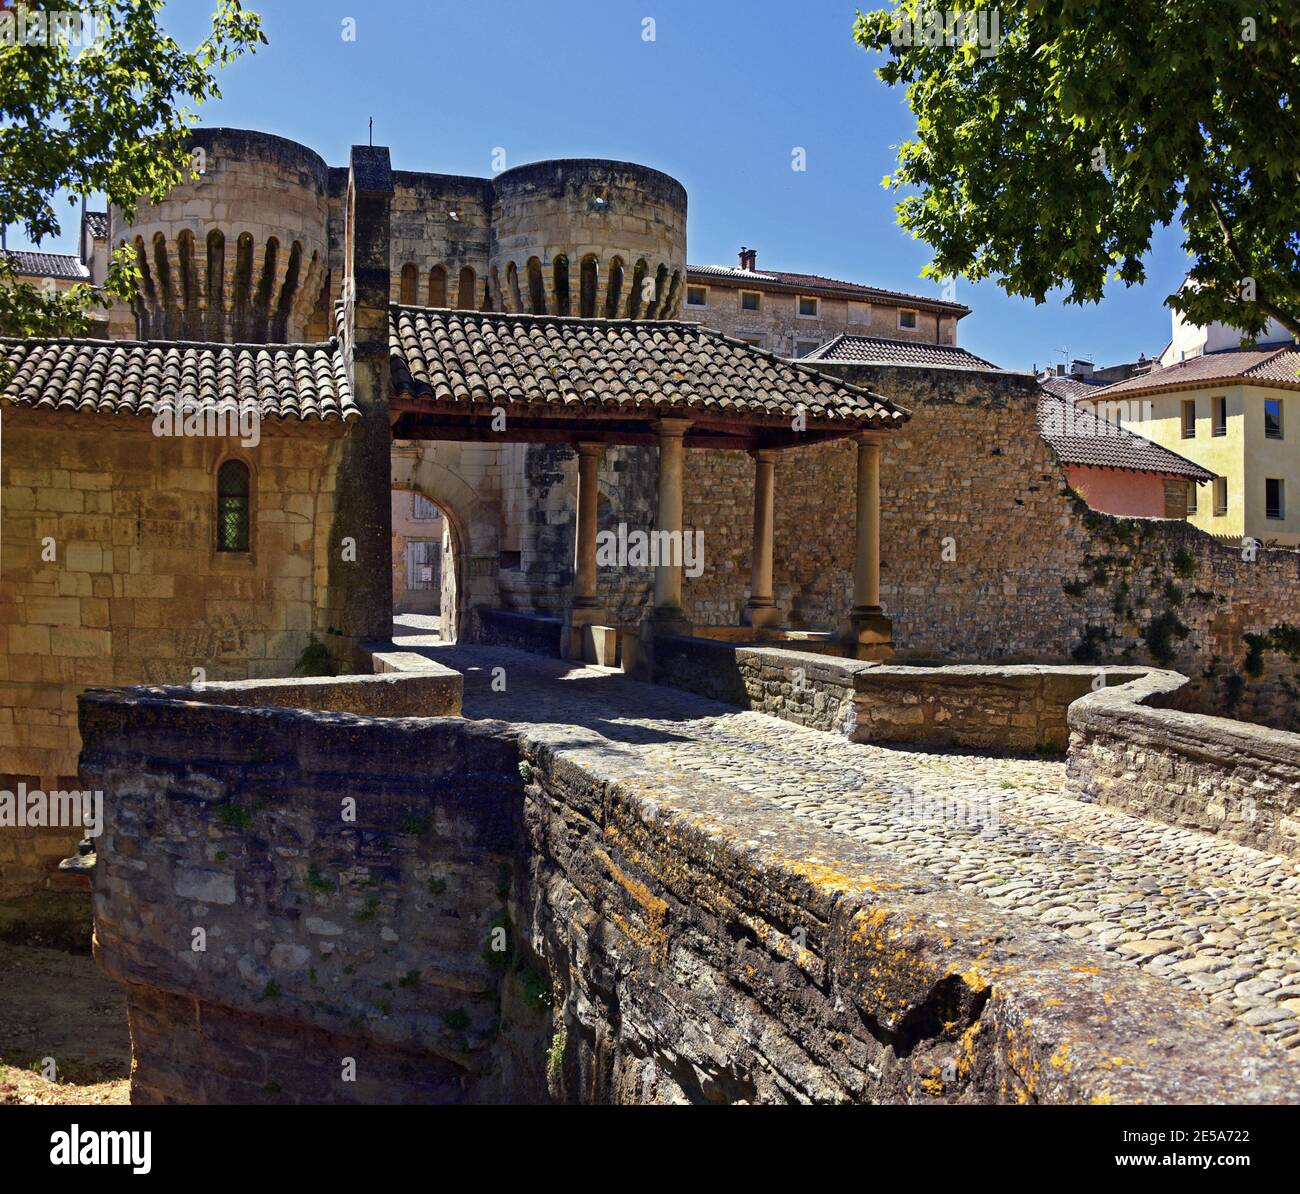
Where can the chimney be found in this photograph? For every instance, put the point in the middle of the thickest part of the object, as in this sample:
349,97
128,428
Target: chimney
1060,370
748,257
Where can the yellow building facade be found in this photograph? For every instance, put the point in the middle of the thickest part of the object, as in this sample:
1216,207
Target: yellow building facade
1236,414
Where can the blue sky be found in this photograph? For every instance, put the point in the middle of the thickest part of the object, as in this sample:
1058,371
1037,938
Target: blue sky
719,99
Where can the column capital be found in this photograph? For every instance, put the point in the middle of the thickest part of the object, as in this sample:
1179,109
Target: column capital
876,438
673,428
764,455
589,447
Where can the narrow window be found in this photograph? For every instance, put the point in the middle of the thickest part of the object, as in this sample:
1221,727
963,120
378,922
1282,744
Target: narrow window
803,347
697,296
1191,497
588,282
1272,418
232,506
409,275
614,291
807,307
1220,416
1274,498
536,287
1189,419
438,286
465,289
422,510
1220,496
907,319
749,300
560,277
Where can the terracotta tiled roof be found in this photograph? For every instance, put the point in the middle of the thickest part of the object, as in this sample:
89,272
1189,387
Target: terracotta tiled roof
1077,436
1069,387
97,222
816,284
284,381
466,358
47,265
877,350
1263,366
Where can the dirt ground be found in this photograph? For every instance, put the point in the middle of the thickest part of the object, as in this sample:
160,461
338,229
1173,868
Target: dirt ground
55,1003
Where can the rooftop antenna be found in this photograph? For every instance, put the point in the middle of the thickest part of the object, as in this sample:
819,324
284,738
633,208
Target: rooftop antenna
372,131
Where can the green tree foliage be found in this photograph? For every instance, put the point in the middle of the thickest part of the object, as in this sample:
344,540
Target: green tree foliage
108,113
1046,157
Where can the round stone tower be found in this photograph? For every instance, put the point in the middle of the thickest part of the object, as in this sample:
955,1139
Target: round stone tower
240,254
584,236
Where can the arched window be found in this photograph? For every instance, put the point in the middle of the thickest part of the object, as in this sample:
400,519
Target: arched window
561,276
536,287
514,298
410,278
587,282
438,286
465,291
614,291
637,296
232,506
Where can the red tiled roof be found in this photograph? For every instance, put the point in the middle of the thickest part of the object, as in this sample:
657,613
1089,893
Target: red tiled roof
1078,436
816,284
467,358
1263,366
1069,387
30,264
284,381
878,350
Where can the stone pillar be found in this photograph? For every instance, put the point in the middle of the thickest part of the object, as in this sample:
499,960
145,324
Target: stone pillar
667,616
359,601
870,634
584,609
761,609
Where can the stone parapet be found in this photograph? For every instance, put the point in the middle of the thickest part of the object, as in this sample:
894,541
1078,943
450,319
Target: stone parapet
1235,780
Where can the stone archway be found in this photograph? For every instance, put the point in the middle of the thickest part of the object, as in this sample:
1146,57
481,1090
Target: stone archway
436,471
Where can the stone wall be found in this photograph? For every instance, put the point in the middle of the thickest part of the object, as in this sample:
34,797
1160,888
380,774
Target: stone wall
1013,708
1238,781
334,946
986,555
135,591
682,942
526,632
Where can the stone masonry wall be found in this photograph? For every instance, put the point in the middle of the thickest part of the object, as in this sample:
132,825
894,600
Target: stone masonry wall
1224,777
135,591
325,937
987,556
662,943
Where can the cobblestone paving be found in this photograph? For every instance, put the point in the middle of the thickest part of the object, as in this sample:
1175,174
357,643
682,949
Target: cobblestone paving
1209,916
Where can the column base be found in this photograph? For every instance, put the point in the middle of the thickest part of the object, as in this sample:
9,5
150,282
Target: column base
576,638
761,617
668,619
869,634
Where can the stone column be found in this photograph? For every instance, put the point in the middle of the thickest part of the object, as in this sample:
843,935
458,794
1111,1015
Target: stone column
870,633
761,609
668,616
584,609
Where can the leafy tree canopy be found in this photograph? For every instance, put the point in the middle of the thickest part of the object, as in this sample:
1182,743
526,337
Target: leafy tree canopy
1046,156
100,113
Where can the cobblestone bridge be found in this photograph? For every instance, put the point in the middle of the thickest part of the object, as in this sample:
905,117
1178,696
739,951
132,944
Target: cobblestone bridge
1214,918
